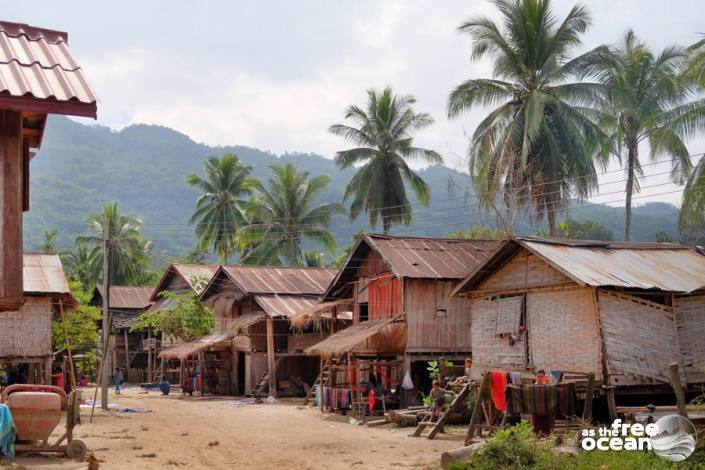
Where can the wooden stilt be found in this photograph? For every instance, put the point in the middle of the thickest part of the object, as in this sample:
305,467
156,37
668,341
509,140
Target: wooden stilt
674,372
127,354
270,358
611,404
587,409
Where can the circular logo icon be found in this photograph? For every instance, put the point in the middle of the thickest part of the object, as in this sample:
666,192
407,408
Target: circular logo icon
675,439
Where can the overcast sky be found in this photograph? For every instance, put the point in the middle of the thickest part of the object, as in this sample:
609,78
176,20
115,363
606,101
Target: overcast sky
274,75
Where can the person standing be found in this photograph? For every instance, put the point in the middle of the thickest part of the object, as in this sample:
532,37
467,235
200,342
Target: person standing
119,377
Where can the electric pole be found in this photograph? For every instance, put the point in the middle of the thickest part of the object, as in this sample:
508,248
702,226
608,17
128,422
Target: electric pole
105,372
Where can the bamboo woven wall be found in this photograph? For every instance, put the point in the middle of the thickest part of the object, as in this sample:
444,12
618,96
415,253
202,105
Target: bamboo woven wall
690,320
640,340
525,270
27,332
563,330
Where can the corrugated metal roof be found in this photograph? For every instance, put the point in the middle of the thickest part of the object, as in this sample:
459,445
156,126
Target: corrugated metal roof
280,280
431,258
130,297
285,305
667,267
43,274
35,63
416,257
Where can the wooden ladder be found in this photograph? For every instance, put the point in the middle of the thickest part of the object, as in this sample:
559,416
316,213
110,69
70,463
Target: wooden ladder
262,384
322,380
437,426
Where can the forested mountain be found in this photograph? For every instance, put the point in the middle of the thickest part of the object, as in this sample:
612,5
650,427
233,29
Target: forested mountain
143,168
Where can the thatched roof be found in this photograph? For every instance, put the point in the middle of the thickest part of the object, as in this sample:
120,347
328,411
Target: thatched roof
319,312
382,336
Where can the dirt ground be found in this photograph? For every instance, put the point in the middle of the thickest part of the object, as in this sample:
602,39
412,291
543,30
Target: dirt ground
190,433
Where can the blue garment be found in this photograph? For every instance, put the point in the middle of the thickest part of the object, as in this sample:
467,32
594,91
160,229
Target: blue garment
7,432
165,387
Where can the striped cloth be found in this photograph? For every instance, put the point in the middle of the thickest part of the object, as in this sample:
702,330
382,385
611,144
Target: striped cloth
7,432
541,400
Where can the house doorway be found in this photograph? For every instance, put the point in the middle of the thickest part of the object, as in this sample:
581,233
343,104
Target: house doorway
240,373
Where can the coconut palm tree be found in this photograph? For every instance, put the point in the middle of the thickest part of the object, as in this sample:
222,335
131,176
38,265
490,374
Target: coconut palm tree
81,265
283,215
48,243
644,101
692,213
382,133
220,208
536,148
129,252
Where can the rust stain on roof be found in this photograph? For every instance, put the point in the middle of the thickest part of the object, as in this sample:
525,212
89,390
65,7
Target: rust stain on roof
280,280
43,274
37,68
129,297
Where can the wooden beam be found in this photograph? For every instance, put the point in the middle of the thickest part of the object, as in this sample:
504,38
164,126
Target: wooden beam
674,372
11,289
271,363
127,354
587,409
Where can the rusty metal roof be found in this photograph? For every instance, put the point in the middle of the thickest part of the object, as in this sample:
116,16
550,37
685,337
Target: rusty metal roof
279,280
43,274
417,257
285,305
662,266
128,297
38,73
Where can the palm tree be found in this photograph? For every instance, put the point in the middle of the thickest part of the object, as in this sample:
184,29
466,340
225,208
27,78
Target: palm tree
48,244
535,149
692,214
81,265
644,101
129,252
283,216
220,209
382,133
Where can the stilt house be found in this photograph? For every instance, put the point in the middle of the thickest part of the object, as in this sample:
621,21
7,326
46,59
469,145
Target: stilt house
129,349
26,334
623,311
253,335
403,316
38,76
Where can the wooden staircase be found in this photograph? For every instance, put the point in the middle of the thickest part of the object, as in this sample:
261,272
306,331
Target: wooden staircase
437,426
322,380
262,385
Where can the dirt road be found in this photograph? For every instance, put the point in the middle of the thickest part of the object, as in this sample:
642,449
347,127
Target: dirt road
184,433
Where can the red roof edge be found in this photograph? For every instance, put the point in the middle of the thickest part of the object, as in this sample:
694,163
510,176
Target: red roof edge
37,105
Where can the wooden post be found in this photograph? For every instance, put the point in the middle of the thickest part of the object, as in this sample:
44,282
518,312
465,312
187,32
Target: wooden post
587,409
320,386
11,195
611,403
106,314
477,410
150,366
127,354
271,363
678,388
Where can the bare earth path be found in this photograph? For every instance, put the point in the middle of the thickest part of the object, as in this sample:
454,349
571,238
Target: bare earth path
180,433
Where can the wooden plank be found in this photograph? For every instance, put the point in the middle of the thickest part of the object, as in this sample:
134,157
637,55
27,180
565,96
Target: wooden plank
270,358
678,389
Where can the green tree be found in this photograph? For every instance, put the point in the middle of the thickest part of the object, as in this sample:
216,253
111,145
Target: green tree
48,243
536,149
382,133
81,265
585,230
81,325
643,102
480,233
315,259
283,215
220,208
692,215
129,252
186,319
340,260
